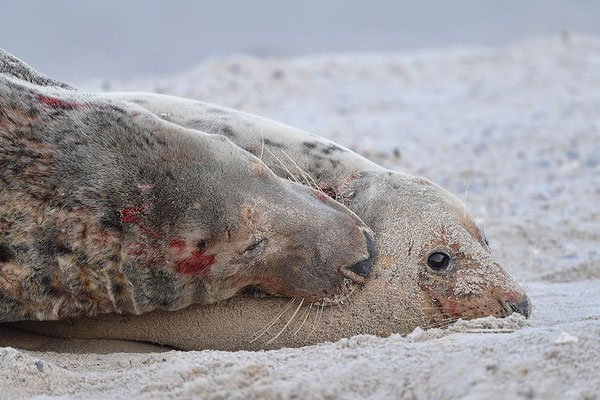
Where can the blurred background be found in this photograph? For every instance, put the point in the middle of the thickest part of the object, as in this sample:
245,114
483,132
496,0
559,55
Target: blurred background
116,39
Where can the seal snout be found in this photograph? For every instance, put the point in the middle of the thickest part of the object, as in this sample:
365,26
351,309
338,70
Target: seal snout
523,307
364,267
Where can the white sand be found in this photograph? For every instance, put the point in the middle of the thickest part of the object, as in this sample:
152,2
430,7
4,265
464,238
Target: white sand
519,126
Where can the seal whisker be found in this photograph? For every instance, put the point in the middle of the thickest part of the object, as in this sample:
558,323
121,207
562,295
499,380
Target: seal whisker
274,320
314,323
305,174
321,313
318,315
262,149
441,323
302,172
306,314
283,165
286,325
526,288
466,197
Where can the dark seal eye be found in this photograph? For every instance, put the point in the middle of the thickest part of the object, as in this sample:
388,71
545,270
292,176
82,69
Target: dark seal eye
254,246
438,261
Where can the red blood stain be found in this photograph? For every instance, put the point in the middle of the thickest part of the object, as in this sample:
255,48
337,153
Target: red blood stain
136,249
196,263
152,234
179,243
131,215
58,103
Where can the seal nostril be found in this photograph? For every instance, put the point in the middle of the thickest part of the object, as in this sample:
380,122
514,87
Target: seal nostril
523,307
365,267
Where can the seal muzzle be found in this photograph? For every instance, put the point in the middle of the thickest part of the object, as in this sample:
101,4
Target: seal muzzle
362,268
523,307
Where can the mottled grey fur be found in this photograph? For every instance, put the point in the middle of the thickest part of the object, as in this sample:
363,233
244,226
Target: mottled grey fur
106,208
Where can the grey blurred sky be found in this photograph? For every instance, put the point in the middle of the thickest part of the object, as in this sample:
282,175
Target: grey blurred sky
76,40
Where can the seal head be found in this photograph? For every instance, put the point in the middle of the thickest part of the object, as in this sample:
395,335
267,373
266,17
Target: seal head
440,258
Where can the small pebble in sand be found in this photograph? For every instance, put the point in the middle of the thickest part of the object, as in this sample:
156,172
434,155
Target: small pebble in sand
565,338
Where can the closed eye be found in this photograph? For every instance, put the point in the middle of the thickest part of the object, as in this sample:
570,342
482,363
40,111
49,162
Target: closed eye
254,246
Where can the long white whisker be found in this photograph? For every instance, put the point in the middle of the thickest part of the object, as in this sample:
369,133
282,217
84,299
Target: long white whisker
262,149
306,314
292,301
283,165
286,325
302,172
466,197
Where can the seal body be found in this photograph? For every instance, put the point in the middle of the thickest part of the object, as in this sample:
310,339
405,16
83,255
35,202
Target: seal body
106,208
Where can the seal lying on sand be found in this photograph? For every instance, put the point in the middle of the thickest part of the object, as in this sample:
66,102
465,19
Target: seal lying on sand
434,264
106,208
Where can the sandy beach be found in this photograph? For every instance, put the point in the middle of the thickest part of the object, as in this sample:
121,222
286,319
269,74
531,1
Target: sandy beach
514,131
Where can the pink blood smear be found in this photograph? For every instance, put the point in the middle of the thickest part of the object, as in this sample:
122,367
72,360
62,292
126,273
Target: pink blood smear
58,103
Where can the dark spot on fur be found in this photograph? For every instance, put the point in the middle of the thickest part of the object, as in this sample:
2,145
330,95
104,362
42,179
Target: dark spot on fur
111,222
332,148
310,145
271,143
139,101
212,110
226,130
61,250
5,254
